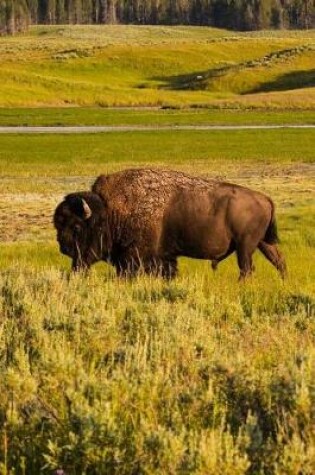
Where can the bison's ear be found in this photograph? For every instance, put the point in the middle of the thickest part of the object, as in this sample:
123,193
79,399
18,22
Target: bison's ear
79,206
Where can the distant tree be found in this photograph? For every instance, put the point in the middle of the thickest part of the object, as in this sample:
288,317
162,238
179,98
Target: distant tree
14,16
276,15
307,14
155,9
234,14
32,6
221,13
102,17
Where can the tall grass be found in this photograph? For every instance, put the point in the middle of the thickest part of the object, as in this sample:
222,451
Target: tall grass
195,376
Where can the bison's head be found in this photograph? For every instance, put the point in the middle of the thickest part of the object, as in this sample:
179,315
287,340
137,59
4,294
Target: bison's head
79,221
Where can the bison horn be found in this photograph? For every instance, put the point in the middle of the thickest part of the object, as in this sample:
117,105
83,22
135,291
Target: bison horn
87,213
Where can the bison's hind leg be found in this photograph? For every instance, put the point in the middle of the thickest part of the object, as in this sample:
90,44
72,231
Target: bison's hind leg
245,250
215,262
273,254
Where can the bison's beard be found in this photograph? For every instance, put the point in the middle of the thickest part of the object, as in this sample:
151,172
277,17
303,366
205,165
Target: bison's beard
75,251
79,261
86,254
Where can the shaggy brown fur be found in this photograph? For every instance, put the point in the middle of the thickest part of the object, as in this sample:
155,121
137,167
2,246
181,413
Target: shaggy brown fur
145,218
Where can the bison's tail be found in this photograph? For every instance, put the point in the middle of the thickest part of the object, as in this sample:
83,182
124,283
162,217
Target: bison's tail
271,236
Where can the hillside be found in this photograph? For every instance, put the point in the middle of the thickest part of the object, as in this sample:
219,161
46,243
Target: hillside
157,66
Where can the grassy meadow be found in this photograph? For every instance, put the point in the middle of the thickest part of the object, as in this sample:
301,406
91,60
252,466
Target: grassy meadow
157,66
200,375
172,117
196,376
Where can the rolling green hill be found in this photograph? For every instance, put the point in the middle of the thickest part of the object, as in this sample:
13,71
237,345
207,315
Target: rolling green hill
157,66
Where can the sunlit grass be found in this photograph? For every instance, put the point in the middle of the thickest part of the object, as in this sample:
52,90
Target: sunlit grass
117,374
90,154
70,116
151,66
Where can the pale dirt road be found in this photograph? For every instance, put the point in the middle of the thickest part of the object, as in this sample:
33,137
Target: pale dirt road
135,128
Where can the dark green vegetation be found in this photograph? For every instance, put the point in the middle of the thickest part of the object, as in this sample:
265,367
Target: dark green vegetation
239,15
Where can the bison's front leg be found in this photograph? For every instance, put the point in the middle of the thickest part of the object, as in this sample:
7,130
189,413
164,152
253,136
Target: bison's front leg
169,269
127,267
160,267
79,266
126,272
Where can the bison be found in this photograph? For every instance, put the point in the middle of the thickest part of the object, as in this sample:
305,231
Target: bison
144,219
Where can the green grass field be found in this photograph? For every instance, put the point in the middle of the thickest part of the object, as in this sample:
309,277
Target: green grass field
157,66
197,376
88,154
69,116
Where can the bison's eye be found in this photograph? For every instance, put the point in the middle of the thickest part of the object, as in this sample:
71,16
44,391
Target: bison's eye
76,230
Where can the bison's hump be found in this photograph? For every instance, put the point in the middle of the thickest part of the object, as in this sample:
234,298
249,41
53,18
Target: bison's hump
145,193
150,179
